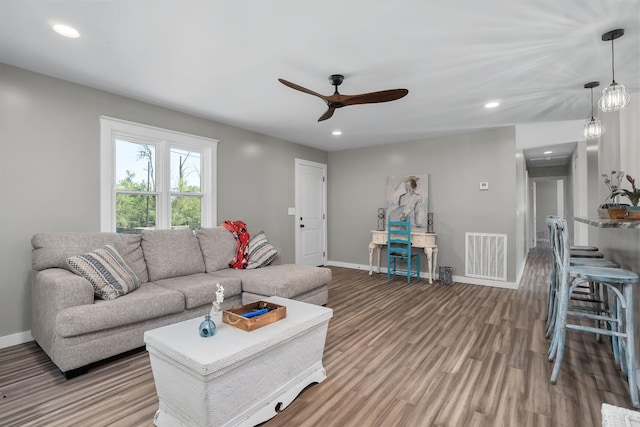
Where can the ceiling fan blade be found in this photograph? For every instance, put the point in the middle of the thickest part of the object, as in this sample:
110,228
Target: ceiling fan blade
374,97
302,89
327,115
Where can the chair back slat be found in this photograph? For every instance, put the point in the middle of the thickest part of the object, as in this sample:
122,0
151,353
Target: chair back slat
399,247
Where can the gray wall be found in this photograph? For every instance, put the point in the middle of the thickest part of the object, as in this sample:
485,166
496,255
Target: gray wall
547,171
49,168
594,183
546,204
455,164
569,195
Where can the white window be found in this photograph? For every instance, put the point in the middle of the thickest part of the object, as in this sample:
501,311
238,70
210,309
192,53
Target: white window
155,178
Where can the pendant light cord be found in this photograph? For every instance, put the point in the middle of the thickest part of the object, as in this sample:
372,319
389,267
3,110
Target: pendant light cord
591,104
613,71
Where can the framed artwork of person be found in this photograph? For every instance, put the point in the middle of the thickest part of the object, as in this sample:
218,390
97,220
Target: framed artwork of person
408,197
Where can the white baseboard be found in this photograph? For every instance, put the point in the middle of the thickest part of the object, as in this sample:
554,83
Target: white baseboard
460,279
349,265
485,282
15,339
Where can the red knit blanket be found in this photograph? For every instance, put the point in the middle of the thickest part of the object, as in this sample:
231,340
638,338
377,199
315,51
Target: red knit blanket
239,231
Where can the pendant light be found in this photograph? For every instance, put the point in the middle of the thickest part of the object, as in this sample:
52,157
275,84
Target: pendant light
614,97
593,127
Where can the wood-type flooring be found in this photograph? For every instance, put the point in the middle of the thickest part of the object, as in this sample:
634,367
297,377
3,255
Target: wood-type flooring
396,355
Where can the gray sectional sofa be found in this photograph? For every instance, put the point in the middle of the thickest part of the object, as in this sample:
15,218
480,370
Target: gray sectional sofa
178,271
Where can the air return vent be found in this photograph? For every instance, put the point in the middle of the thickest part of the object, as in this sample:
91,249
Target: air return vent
486,256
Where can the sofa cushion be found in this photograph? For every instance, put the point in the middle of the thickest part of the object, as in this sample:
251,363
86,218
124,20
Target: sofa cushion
200,289
218,247
171,253
107,272
147,302
51,249
285,280
261,252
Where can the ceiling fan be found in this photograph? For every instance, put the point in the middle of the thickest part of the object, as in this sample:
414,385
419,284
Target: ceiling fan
338,101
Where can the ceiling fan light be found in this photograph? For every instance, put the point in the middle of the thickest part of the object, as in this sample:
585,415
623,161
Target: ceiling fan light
593,129
614,98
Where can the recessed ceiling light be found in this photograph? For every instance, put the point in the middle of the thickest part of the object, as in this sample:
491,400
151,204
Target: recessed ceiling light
65,30
548,152
336,133
492,104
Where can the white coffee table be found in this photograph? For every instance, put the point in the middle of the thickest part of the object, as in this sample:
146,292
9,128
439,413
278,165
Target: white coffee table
236,378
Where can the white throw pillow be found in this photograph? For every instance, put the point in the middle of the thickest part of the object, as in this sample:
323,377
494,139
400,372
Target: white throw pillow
261,252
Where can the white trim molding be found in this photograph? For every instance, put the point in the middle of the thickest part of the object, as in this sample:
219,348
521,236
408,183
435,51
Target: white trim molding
15,339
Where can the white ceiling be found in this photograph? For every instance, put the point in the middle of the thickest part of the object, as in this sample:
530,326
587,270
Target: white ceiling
550,155
221,59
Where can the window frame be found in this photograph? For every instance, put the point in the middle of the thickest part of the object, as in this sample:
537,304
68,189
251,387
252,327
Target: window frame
163,140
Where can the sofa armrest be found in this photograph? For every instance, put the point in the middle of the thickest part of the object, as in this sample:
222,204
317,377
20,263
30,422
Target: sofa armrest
53,290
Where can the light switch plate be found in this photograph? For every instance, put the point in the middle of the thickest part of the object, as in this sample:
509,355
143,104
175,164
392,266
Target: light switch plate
484,185
291,211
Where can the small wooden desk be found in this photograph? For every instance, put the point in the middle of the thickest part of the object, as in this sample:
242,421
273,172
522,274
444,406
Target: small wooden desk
419,239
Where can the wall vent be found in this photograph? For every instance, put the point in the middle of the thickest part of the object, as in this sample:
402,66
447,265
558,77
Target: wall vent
486,256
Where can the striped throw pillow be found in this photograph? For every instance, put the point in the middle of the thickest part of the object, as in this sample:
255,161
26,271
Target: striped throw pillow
109,275
261,252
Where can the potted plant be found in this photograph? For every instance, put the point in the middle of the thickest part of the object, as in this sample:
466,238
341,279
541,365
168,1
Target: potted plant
613,210
633,211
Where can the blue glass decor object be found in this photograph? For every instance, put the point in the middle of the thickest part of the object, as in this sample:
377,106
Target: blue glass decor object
207,327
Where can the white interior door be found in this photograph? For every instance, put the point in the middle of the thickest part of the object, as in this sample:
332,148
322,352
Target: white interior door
311,214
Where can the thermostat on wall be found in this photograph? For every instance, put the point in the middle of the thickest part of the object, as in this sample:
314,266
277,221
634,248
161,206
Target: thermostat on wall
484,185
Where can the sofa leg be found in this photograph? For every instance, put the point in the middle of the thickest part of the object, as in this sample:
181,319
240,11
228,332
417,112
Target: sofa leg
75,372
72,373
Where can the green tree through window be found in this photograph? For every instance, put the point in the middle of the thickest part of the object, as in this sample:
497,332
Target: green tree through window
155,178
136,197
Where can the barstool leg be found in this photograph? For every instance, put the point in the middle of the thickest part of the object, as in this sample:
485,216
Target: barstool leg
614,324
554,312
630,353
556,350
595,294
551,302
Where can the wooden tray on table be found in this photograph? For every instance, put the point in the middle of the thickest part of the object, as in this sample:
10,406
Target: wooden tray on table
234,316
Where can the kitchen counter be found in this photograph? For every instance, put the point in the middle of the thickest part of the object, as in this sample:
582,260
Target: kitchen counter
610,223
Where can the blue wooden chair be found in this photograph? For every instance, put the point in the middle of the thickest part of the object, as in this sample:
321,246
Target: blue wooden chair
616,318
399,251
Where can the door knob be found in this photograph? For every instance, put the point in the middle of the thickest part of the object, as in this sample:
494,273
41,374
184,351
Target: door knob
301,225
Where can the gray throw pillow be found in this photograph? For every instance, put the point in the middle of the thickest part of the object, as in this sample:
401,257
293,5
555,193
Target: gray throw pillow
261,252
109,275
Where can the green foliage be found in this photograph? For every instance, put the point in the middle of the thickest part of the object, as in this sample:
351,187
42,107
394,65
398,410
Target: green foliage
135,212
185,211
634,194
